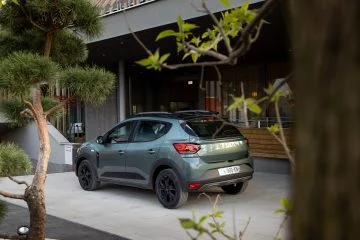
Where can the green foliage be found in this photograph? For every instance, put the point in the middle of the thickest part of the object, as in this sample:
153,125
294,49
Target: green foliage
67,49
209,224
13,160
3,210
91,85
226,3
81,15
239,102
12,107
286,207
22,70
275,95
275,128
154,61
192,45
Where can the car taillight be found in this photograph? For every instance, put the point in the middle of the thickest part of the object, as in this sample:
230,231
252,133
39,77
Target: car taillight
187,148
246,141
193,186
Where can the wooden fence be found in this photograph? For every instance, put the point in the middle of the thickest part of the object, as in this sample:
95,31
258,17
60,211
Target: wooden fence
263,144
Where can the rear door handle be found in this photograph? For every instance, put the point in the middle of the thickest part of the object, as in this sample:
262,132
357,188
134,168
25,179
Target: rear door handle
150,151
121,151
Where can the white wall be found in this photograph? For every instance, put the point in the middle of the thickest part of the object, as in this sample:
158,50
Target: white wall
27,139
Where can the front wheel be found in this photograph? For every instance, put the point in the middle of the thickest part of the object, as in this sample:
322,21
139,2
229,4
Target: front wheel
169,190
235,188
87,177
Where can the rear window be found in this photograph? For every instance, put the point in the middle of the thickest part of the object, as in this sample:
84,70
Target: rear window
206,127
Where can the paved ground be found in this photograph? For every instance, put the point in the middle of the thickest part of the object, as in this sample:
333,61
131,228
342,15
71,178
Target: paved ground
55,228
136,214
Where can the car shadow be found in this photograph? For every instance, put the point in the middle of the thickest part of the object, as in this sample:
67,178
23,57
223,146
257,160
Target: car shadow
195,198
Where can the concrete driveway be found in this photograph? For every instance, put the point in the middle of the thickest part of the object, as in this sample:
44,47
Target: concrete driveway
136,214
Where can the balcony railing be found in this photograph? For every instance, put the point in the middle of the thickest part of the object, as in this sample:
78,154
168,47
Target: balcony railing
113,6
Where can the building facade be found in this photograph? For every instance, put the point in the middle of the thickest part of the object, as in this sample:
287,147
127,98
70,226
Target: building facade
141,90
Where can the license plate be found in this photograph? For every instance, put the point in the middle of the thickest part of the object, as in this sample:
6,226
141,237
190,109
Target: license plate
229,170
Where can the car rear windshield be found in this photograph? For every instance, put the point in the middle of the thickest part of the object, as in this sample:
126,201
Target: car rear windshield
206,127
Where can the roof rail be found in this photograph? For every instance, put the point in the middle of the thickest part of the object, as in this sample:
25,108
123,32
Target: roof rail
151,114
197,112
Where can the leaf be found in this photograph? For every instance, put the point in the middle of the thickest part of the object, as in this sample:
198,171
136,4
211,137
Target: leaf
194,57
187,223
205,35
274,128
186,55
212,225
144,62
203,219
285,203
238,102
164,57
279,211
165,34
188,27
195,40
226,3
252,106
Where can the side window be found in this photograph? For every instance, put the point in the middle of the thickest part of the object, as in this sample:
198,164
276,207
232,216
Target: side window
121,133
151,130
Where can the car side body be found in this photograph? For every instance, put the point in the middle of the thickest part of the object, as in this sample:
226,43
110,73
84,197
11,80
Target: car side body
142,148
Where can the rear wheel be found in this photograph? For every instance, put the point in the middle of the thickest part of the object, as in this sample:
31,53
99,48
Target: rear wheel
169,189
235,188
87,176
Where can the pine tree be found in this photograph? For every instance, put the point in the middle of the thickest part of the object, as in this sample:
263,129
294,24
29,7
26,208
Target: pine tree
40,44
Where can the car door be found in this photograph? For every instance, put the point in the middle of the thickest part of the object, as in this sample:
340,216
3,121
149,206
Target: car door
142,152
113,153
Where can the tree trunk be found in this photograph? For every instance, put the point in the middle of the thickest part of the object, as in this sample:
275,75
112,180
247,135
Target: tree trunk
326,41
34,195
48,43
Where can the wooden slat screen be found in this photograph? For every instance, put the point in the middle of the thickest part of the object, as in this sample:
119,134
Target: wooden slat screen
263,144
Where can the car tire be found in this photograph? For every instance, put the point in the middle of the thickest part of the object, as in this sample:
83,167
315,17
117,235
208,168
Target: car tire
87,176
169,190
235,188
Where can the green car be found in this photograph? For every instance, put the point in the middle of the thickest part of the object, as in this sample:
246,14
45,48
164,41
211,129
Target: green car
171,153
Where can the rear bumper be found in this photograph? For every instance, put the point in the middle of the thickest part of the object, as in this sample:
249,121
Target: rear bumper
225,182
212,178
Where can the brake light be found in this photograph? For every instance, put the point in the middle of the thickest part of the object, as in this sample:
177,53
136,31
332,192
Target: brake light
193,186
246,141
187,148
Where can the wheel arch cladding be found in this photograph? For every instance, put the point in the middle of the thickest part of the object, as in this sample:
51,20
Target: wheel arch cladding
165,164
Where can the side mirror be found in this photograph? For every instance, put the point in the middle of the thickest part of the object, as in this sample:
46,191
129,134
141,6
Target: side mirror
99,139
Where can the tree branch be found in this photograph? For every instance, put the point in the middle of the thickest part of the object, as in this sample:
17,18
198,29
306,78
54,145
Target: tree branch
250,27
135,36
221,29
29,104
29,17
18,182
27,113
283,139
57,107
209,52
205,64
245,228
11,195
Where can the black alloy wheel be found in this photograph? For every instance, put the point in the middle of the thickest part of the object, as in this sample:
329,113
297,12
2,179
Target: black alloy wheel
169,190
235,188
86,176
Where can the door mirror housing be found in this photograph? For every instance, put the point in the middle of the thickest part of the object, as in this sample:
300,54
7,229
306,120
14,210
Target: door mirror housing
99,140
